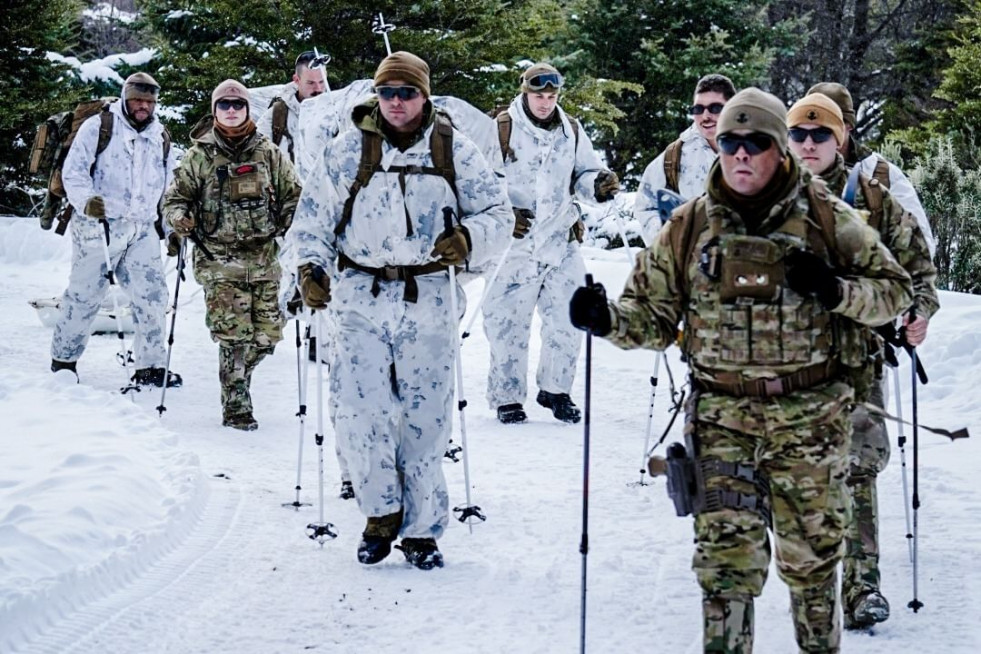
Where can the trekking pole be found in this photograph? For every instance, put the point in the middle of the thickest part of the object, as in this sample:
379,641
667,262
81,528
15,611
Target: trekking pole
320,531
915,603
302,377
379,26
650,417
470,510
123,355
487,288
901,441
173,321
584,542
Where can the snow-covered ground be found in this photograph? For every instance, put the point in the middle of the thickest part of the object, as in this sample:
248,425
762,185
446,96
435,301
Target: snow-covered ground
125,531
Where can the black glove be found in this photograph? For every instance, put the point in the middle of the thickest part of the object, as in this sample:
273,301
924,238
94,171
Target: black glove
522,222
589,310
606,185
810,275
174,244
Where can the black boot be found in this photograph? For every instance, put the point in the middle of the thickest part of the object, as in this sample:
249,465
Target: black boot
64,365
511,414
561,405
155,377
421,552
376,541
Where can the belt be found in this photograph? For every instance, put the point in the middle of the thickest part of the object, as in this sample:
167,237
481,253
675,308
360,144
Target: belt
804,378
405,274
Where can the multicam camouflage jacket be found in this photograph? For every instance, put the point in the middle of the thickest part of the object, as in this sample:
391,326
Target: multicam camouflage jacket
744,333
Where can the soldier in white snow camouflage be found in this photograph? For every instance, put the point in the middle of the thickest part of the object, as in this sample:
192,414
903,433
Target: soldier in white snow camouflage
548,160
122,187
377,253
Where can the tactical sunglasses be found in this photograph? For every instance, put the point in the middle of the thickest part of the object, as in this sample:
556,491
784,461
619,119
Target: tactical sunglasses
542,80
754,143
225,105
402,92
817,134
699,109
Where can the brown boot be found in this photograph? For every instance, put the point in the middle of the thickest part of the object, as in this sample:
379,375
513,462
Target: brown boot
376,541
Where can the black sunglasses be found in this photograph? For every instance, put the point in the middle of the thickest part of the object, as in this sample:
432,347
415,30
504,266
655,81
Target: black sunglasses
699,109
817,134
225,105
754,143
543,80
402,92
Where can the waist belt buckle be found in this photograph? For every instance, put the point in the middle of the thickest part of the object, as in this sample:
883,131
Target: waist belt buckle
390,273
772,387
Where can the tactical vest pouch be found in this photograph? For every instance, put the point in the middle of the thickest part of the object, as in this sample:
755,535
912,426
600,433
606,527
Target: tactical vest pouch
751,268
245,184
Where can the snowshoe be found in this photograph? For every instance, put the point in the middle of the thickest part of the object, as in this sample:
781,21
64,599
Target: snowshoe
561,405
421,552
870,609
155,377
242,421
511,414
347,490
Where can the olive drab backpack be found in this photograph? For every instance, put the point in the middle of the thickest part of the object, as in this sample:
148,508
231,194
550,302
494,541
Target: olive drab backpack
504,124
53,139
440,147
672,165
280,114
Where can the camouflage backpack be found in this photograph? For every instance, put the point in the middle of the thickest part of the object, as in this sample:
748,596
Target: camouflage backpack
280,114
53,139
672,165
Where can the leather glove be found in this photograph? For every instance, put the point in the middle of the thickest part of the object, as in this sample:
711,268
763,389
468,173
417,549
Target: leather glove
522,222
451,249
314,286
810,275
96,208
184,225
606,185
577,231
174,244
589,310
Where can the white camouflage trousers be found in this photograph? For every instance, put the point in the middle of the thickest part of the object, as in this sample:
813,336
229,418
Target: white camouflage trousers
391,396
134,250
523,285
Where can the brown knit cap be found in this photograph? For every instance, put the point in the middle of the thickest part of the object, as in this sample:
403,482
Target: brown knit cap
841,97
404,67
132,92
818,109
538,69
758,111
230,89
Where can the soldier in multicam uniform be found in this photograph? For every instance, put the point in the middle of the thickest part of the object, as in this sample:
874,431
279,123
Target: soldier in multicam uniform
763,297
549,161
121,187
684,165
817,130
237,192
377,251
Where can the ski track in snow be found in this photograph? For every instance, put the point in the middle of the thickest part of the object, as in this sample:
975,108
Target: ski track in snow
247,579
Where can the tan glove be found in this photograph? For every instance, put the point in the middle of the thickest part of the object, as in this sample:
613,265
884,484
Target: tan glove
184,225
314,286
174,244
577,231
452,249
522,222
96,208
606,185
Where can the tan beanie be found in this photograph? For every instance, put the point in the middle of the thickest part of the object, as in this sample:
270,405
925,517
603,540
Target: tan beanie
818,109
135,87
841,97
539,69
757,111
229,89
404,67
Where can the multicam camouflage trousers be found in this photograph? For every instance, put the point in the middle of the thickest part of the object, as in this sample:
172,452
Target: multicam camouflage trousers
868,457
245,321
800,441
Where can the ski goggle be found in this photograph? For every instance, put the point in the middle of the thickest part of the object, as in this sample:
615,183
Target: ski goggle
543,80
225,104
754,143
817,134
699,109
401,92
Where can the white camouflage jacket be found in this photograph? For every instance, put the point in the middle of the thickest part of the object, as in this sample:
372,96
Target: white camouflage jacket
291,140
130,174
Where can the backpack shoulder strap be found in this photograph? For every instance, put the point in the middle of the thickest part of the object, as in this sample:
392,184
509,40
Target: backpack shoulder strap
691,219
280,113
672,165
881,172
504,135
371,150
105,130
575,149
872,190
822,239
441,147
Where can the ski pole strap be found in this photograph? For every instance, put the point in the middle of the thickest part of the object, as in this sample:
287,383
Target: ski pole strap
882,413
200,245
897,338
